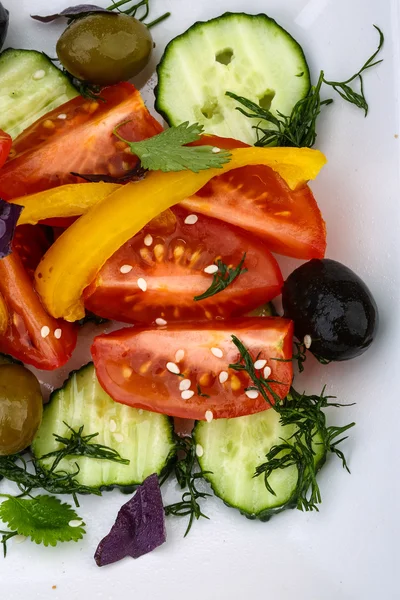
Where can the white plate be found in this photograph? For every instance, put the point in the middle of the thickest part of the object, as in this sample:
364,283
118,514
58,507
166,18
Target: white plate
349,550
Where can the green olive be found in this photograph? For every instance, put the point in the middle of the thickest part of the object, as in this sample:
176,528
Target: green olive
21,408
105,48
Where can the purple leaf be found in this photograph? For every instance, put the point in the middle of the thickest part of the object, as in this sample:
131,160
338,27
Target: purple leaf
72,12
9,215
139,528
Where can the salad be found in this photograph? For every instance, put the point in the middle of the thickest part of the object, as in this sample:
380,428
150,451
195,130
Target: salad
175,233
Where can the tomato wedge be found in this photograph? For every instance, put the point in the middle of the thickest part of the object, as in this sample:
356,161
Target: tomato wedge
257,199
157,274
80,141
31,242
182,370
5,146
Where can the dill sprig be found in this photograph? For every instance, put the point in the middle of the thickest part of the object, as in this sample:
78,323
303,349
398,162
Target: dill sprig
140,11
5,536
222,278
187,479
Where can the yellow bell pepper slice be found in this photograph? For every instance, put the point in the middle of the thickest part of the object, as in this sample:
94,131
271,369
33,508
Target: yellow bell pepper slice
3,316
75,258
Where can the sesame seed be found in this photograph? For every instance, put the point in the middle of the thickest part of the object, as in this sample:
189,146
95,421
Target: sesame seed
211,269
58,334
126,269
187,394
148,240
267,372
39,75
180,355
223,376
173,368
191,219
45,331
199,450
142,284
112,426
217,352
260,364
118,437
62,117
140,411
307,341
75,523
252,394
216,150
209,416
185,384
19,539
161,322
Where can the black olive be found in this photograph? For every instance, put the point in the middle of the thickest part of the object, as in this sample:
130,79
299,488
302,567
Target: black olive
330,303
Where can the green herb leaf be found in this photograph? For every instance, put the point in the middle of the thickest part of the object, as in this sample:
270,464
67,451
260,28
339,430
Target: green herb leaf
167,151
140,11
5,536
44,519
222,278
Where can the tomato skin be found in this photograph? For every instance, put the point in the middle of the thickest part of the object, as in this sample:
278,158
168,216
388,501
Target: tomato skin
31,242
131,365
5,146
259,200
50,149
173,268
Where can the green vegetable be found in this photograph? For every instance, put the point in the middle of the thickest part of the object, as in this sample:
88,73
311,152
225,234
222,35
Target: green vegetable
167,150
30,86
222,278
250,55
130,443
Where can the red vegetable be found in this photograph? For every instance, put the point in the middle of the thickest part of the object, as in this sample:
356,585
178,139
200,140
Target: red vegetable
170,264
142,367
5,145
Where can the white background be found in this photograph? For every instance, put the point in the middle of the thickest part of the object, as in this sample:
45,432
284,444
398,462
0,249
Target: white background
350,549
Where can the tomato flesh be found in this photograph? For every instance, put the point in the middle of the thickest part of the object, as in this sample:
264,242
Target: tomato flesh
168,273
257,199
31,242
133,366
5,146
82,142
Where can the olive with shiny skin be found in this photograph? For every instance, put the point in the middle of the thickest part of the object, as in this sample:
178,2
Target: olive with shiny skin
105,48
330,303
21,408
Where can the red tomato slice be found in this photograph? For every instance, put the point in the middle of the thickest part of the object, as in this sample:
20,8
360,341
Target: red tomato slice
31,242
259,200
133,366
5,146
82,141
167,272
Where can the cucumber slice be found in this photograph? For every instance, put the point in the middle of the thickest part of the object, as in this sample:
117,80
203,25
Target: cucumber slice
233,448
250,55
144,438
30,86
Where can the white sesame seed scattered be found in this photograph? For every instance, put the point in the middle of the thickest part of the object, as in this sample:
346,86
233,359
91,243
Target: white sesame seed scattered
161,322
179,355
187,394
45,331
211,269
252,394
199,450
118,437
173,368
126,269
140,411
39,75
142,284
307,341
58,334
223,376
148,240
191,219
216,150
267,372
260,364
19,539
217,352
185,384
209,416
62,117
75,523
112,426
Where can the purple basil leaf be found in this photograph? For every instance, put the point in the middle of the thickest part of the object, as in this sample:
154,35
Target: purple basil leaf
72,12
139,528
9,215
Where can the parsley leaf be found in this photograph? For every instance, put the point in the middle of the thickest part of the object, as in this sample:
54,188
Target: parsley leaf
167,151
44,519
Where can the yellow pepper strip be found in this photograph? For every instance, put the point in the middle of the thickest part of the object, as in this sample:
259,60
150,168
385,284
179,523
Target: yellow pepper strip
3,316
71,200
75,258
